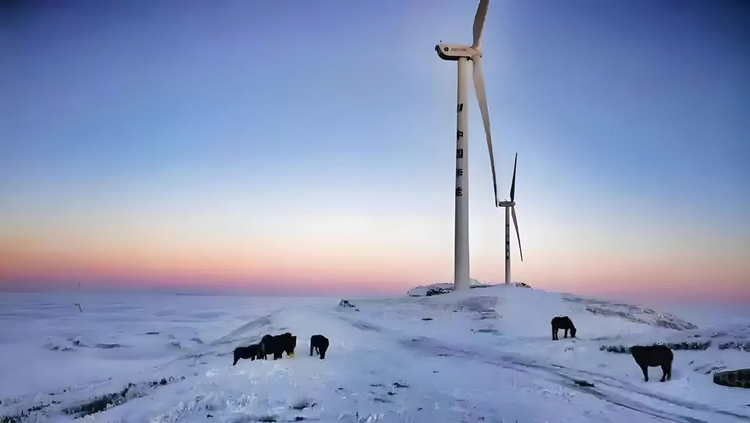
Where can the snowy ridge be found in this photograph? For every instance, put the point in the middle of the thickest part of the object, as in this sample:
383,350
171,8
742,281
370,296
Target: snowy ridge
633,313
482,355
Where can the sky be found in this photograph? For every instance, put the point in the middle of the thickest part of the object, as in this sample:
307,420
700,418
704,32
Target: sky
299,147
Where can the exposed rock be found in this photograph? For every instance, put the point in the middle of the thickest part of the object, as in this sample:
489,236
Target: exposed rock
346,304
734,378
437,291
441,288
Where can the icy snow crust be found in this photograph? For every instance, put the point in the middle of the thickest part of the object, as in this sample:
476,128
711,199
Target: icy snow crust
483,355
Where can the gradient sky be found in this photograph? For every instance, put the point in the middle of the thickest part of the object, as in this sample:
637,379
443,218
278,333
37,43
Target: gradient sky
308,146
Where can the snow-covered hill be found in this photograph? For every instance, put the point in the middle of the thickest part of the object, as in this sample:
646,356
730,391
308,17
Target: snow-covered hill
484,355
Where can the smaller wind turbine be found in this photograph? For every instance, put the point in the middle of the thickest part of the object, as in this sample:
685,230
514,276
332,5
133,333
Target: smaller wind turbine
510,208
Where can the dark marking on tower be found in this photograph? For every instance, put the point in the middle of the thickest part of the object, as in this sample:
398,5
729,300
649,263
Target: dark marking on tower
459,192
460,153
459,172
460,107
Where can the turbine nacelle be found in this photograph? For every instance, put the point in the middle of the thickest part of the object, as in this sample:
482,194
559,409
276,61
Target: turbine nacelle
456,51
506,203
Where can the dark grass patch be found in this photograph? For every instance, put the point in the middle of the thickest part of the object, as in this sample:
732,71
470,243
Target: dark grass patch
400,385
427,319
618,349
675,346
583,383
164,381
23,416
59,348
104,402
733,345
692,346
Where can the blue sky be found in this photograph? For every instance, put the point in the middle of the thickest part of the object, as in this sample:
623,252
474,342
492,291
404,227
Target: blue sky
148,135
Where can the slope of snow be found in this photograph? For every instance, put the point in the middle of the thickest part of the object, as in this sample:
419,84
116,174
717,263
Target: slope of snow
482,355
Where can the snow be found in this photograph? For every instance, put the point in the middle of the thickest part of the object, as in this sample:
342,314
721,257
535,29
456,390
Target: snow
482,355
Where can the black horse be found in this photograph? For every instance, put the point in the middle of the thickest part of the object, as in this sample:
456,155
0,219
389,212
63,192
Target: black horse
320,344
653,356
251,352
278,345
563,322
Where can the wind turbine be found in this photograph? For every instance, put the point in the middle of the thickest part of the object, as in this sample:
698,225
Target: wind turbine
463,54
510,208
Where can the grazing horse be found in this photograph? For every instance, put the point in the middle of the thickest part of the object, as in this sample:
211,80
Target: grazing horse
563,322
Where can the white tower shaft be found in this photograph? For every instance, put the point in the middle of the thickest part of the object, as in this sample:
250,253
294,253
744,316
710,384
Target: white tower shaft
461,259
507,245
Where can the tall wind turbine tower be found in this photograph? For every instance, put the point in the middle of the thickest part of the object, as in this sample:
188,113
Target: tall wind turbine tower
462,54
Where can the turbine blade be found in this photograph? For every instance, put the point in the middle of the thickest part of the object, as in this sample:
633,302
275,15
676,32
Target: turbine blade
515,223
479,23
513,184
482,98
